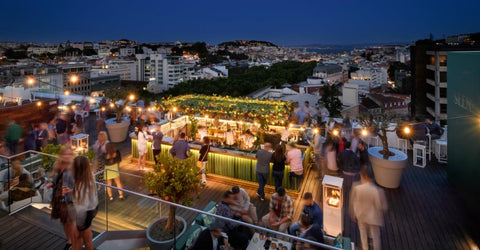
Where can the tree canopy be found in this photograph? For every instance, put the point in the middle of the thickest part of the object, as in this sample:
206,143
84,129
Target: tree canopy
252,79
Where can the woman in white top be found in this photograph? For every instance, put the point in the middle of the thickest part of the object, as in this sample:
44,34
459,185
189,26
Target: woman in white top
229,137
142,146
100,148
85,201
331,155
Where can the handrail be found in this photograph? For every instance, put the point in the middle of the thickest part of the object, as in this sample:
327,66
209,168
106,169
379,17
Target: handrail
26,152
217,216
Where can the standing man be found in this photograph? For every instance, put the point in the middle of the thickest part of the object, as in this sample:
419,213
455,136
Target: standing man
312,210
281,211
363,153
263,168
13,136
157,136
242,207
61,126
317,146
180,148
350,165
367,206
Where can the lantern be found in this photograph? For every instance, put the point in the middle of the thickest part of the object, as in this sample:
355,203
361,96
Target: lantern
332,205
79,143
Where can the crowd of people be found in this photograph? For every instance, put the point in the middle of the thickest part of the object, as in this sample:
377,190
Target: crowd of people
74,199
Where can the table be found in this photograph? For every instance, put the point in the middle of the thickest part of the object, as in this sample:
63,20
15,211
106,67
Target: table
256,243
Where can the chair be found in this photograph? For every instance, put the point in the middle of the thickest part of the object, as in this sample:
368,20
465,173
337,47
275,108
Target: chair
419,155
441,150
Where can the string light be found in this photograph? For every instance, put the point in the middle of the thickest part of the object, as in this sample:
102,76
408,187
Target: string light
364,132
39,104
112,105
335,132
406,130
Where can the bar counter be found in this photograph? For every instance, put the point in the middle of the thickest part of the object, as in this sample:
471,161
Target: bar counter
224,162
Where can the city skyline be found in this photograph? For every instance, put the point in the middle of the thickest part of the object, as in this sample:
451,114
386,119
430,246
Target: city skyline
308,22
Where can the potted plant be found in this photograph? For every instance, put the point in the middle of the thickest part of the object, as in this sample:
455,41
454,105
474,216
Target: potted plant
48,161
387,163
175,181
193,127
118,126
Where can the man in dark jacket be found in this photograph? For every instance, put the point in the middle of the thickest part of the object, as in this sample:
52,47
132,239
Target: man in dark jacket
211,238
180,148
350,165
310,231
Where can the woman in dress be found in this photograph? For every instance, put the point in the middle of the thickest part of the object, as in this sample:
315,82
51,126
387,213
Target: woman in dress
331,157
111,163
294,159
142,146
100,148
85,201
278,159
203,158
62,201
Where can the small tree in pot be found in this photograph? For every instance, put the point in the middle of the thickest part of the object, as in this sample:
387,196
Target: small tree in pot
174,180
117,94
387,163
380,128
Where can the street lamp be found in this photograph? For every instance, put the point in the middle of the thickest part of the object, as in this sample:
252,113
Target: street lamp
131,97
66,92
30,81
73,78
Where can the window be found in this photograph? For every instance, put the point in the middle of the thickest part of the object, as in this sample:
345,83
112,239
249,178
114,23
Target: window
442,60
443,92
443,76
443,108
431,60
430,74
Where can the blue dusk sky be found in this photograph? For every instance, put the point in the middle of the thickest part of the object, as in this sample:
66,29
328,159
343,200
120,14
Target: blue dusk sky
282,22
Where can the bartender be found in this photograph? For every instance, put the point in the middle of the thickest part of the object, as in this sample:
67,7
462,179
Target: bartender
285,135
203,132
229,136
248,139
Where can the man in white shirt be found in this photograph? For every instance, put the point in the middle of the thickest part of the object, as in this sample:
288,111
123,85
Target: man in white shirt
241,206
285,135
367,206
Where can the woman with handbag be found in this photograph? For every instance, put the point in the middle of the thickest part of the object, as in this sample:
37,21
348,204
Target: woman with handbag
62,185
85,200
100,148
112,160
203,158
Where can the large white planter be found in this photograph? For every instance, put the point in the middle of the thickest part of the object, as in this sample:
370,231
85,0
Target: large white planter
388,172
117,130
168,244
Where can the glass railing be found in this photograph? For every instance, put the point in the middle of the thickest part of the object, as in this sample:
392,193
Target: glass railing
23,178
134,209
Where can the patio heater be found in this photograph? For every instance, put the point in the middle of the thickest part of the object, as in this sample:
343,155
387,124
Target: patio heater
332,205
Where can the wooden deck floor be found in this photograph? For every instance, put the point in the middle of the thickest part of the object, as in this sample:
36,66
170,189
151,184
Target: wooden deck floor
424,213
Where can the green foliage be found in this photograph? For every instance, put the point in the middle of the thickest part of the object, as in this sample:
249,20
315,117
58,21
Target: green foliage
174,180
90,154
48,161
252,79
193,126
330,100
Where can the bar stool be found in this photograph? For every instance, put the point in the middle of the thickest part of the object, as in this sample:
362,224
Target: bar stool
441,151
403,145
419,155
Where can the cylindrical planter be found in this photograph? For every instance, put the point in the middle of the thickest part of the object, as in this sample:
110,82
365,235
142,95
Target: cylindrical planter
168,244
388,172
117,130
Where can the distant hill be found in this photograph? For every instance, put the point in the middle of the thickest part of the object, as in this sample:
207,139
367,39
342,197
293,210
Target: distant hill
246,43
